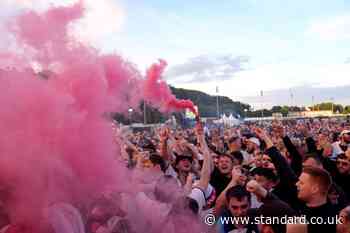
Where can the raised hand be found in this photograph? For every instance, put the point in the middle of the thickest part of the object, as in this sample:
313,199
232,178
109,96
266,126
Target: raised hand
254,187
236,174
164,134
260,133
279,130
263,136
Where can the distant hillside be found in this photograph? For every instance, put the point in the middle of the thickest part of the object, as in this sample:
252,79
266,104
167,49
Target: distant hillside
207,103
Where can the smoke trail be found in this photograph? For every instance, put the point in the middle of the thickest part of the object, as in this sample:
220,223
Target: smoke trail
56,141
157,92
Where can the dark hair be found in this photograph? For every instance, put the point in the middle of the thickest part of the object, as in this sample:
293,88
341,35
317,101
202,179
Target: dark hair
182,157
156,159
313,156
232,139
225,155
192,205
238,155
147,145
342,198
239,192
267,173
183,205
320,176
276,209
226,146
335,136
342,156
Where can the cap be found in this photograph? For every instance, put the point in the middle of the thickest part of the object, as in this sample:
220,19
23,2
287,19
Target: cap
182,157
345,132
254,140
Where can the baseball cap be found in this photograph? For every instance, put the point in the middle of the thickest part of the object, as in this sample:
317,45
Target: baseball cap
345,132
254,140
182,157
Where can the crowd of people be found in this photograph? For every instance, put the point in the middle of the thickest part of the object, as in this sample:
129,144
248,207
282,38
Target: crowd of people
180,177
273,169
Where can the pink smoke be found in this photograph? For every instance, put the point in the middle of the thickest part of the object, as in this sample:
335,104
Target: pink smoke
158,93
56,140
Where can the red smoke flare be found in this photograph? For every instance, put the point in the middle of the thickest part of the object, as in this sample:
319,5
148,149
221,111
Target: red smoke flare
158,93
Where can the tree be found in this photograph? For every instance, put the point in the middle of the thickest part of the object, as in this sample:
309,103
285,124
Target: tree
338,108
328,106
285,110
275,109
347,109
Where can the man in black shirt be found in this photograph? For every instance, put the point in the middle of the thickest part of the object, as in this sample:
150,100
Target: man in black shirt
238,203
342,176
221,176
313,187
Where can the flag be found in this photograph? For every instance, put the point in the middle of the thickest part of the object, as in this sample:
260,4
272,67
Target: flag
189,114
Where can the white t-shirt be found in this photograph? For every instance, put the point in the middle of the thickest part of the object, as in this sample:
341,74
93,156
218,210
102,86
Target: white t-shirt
199,196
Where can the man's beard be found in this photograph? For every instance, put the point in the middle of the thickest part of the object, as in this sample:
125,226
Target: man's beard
344,147
251,151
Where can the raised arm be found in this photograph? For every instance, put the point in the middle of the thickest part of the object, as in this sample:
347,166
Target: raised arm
284,170
207,159
296,158
164,138
221,200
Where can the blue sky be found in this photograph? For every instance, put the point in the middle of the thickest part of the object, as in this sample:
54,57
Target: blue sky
242,46
268,31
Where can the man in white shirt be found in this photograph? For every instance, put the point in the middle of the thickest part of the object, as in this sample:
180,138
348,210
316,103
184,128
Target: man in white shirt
342,145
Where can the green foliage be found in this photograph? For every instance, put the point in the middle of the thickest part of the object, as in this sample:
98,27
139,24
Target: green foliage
328,106
207,104
347,109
